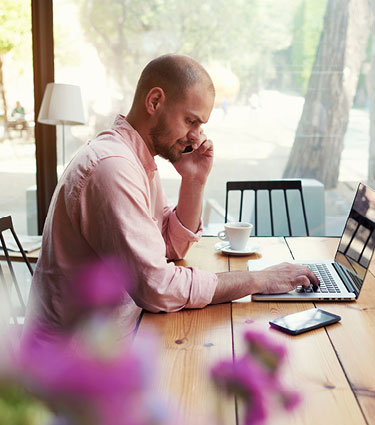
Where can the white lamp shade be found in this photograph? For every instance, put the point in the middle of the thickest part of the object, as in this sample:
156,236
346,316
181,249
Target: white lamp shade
61,104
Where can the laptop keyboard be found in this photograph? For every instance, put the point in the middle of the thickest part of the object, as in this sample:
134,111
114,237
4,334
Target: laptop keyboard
327,283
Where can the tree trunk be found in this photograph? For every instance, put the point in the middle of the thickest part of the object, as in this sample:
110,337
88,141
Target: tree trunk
319,139
371,153
3,98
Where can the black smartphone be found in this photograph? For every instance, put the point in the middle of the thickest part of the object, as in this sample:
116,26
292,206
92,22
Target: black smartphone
188,149
304,321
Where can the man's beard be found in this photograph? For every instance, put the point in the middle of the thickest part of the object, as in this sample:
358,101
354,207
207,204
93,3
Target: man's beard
160,132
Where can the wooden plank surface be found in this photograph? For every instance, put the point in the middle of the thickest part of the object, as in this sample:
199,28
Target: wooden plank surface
312,366
354,338
191,342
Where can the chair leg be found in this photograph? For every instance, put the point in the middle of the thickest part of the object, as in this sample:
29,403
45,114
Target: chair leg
304,214
256,211
271,212
287,213
241,203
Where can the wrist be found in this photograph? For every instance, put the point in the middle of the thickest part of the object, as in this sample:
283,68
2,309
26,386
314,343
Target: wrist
193,181
257,285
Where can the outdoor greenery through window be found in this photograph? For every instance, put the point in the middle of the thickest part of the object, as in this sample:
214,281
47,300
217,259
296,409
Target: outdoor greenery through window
17,144
294,81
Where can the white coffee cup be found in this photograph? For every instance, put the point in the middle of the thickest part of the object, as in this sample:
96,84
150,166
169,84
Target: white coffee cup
237,234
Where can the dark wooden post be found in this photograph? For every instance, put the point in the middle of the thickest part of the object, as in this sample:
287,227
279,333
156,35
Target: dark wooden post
45,135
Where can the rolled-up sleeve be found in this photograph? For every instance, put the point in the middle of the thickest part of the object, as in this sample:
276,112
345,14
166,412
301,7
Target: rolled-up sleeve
115,217
178,239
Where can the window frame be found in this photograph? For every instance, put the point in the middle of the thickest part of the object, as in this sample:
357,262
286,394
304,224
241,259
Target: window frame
45,135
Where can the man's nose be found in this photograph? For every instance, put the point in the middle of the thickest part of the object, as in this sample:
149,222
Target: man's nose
194,134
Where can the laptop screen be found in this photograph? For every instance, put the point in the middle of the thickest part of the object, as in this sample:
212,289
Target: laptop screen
358,239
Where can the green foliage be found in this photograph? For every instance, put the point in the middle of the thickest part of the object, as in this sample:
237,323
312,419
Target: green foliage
17,407
66,46
307,28
15,24
242,33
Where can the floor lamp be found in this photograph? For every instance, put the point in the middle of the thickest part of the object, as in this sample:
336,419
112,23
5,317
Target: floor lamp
61,105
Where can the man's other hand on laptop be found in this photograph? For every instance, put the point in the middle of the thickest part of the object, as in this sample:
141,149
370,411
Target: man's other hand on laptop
285,277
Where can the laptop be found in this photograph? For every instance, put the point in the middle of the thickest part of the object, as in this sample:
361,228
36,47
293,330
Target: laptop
341,279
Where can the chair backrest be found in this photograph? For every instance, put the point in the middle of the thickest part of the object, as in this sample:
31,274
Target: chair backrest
9,284
281,205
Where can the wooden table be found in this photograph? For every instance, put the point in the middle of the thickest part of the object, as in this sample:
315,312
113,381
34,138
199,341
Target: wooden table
17,256
333,367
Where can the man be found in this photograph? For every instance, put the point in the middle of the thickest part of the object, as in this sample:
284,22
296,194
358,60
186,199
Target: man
18,111
109,201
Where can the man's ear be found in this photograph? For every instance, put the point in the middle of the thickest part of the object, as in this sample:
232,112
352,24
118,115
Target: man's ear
154,99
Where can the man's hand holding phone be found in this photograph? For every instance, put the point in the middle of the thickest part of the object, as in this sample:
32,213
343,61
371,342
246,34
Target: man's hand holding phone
196,161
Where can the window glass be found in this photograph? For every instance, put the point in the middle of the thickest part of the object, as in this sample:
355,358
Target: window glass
17,143
293,90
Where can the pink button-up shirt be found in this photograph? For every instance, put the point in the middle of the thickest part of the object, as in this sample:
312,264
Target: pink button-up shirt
108,202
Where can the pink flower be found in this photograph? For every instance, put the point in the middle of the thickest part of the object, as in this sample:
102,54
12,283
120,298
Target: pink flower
87,373
96,291
289,399
100,285
255,378
89,389
246,380
265,351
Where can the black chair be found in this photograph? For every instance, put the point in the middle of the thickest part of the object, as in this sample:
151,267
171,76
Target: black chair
12,314
279,206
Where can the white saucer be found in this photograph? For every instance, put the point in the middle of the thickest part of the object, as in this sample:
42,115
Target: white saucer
249,249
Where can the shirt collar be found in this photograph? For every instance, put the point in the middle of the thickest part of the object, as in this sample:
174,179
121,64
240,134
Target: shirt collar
135,141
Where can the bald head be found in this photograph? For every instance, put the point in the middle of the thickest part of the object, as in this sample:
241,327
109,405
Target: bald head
175,74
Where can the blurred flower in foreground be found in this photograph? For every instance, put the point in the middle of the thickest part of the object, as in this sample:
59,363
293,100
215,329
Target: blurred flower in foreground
264,351
255,378
89,375
100,286
88,388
